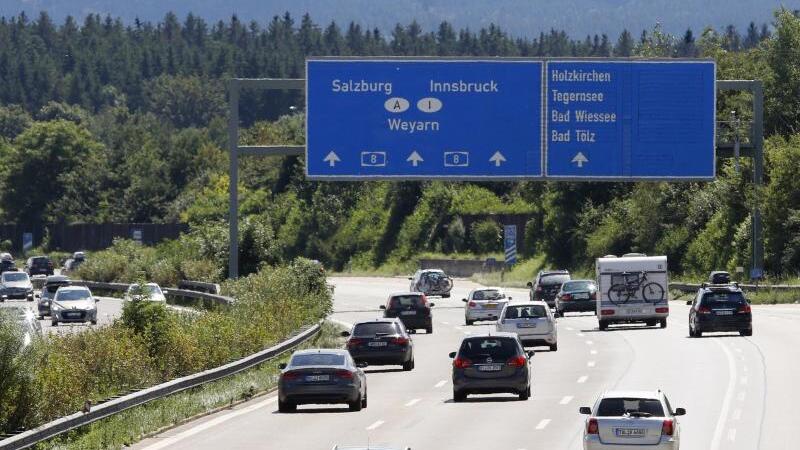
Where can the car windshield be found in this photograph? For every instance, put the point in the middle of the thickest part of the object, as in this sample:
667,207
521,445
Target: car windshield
149,289
579,286
617,407
15,276
405,300
371,329
554,279
494,347
318,359
488,294
78,294
522,312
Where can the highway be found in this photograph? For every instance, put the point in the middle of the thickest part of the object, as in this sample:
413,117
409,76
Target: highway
739,392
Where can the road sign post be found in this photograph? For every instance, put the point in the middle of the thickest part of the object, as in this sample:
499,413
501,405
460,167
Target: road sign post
510,244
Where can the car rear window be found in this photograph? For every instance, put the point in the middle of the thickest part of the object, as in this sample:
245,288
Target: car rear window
488,294
52,288
723,298
494,347
521,312
318,359
616,407
578,286
371,329
41,261
405,300
553,279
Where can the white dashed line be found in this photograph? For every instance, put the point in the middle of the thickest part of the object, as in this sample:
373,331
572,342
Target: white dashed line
591,364
413,402
726,402
566,400
593,352
459,328
583,379
743,381
745,368
580,335
440,384
732,434
589,343
570,329
375,425
542,424
445,323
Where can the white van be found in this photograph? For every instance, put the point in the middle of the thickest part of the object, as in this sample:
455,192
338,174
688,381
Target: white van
632,288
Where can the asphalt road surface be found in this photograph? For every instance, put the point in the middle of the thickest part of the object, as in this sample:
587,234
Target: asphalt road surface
739,392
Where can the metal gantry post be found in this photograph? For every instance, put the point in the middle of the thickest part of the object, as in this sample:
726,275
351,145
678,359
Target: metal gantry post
233,187
758,172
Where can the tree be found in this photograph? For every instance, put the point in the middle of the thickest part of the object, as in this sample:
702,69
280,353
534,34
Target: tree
624,45
185,101
783,90
13,121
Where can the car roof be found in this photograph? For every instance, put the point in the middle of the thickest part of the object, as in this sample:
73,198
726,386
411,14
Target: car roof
526,303
311,351
431,270
631,394
378,320
732,287
56,279
553,272
500,334
396,294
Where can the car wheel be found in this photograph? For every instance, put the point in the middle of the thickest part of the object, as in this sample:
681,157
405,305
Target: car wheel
691,331
286,407
554,347
429,329
459,396
408,365
469,322
94,322
698,334
746,332
364,402
356,405
603,325
663,323
54,323
526,394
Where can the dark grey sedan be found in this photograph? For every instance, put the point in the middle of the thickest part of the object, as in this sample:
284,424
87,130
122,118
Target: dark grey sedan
381,342
322,376
491,363
576,296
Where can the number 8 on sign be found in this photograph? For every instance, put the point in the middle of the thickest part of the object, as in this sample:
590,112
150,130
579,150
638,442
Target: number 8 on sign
456,159
373,159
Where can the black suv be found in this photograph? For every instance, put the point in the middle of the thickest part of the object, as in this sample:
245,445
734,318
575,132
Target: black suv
720,308
547,284
39,265
412,308
381,342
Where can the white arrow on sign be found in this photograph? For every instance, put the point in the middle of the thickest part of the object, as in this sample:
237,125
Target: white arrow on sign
332,159
580,159
415,158
497,158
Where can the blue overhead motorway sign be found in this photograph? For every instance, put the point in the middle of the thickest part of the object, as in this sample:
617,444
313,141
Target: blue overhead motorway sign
422,118
630,120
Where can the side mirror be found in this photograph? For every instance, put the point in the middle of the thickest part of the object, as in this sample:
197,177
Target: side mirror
464,300
680,412
510,298
282,366
529,284
585,410
452,354
345,334
411,278
362,364
382,307
530,353
689,302
433,304
96,300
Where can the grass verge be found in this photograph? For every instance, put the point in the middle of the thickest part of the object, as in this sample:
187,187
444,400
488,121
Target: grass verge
133,425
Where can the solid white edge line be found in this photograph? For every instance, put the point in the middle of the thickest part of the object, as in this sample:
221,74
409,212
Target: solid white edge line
542,424
375,425
726,403
413,402
170,441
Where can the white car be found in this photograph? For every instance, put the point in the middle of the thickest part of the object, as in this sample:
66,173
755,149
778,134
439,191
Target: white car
151,292
73,304
533,322
630,420
484,304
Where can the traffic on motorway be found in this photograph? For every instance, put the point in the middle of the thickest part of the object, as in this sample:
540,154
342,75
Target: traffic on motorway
627,289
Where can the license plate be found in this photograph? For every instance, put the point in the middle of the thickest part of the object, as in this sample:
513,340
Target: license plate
634,311
526,325
581,296
317,378
490,305
490,368
631,432
723,313
71,314
377,344
408,313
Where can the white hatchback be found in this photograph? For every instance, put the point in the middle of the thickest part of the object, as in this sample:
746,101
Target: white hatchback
632,419
533,322
484,304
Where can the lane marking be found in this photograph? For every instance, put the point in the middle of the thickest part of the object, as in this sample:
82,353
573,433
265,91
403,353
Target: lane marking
445,323
413,402
593,352
459,328
467,332
589,343
583,379
542,424
732,434
737,414
440,384
570,329
590,364
375,425
581,335
566,400
169,442
743,381
741,396
726,402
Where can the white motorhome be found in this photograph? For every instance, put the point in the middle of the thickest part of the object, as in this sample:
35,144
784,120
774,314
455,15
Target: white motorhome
633,288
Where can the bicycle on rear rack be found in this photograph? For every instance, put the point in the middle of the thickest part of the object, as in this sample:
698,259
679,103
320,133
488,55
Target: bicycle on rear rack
620,293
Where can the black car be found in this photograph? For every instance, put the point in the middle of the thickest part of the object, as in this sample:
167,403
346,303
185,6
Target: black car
576,296
39,265
720,308
547,284
412,308
491,363
321,376
7,265
381,342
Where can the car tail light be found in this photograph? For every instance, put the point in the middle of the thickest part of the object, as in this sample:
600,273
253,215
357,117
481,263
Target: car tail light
399,341
662,310
472,304
516,361
606,312
744,309
290,376
462,363
704,310
343,374
566,297
667,428
355,342
593,296
593,428
538,289
424,300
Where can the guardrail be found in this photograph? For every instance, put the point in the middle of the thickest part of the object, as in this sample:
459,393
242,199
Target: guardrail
123,287
200,286
693,287
115,406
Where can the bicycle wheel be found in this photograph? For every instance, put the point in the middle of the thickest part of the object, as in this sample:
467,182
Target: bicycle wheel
619,294
653,292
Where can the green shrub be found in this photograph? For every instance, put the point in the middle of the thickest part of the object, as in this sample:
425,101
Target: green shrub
486,236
